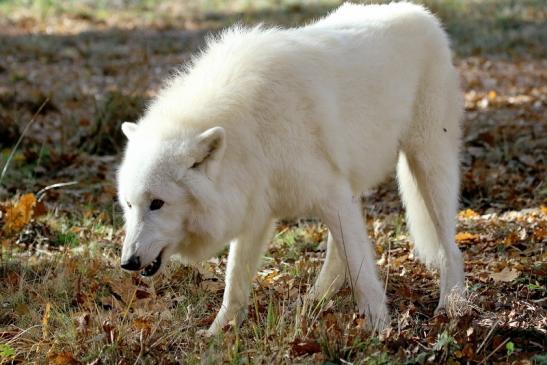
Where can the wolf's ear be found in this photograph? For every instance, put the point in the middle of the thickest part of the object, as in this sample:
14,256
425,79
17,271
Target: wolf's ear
209,150
129,129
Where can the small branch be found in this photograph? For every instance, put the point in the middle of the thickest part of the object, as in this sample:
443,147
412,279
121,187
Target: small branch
495,350
487,336
41,193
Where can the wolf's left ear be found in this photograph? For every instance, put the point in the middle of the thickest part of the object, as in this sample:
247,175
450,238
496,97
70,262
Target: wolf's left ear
209,150
129,129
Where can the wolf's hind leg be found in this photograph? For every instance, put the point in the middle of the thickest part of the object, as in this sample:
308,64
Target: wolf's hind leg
243,260
332,274
429,187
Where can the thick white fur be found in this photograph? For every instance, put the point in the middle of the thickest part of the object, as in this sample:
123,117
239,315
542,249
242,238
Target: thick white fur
305,120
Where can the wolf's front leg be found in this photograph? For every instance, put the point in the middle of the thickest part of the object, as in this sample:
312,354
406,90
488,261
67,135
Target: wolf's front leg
332,274
243,260
342,214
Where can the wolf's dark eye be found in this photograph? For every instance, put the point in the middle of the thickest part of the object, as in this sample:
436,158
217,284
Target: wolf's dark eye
156,204
128,204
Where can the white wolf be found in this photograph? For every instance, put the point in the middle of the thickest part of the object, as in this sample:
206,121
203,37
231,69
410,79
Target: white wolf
273,123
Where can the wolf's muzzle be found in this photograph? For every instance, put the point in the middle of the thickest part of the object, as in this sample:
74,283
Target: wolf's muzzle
132,264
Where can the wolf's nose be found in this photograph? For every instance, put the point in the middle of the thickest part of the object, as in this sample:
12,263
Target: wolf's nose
133,263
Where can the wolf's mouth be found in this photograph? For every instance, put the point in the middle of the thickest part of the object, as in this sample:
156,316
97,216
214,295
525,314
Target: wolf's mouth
153,267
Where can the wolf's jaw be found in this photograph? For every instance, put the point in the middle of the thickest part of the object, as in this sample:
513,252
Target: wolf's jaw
153,267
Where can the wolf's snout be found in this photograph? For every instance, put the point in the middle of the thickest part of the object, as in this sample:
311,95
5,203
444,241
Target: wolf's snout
133,263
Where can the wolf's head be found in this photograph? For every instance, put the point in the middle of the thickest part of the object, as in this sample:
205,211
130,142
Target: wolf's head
166,186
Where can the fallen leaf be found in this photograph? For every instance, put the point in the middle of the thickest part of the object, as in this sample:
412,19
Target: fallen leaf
505,275
19,214
300,348
466,237
40,209
142,324
62,358
12,278
468,213
213,286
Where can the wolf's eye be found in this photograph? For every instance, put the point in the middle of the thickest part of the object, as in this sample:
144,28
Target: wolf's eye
156,204
128,204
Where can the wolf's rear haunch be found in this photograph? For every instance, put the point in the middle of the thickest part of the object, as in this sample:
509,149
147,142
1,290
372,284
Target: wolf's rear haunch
276,123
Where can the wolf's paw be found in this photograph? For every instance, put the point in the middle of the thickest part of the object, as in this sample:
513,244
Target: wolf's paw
455,303
323,290
378,320
376,312
228,316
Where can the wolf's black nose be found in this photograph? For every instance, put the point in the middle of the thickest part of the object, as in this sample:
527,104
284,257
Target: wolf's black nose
133,263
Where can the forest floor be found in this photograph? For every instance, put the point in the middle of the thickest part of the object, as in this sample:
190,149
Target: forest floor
70,75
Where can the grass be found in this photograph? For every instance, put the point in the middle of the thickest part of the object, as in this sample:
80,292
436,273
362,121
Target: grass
85,298
72,302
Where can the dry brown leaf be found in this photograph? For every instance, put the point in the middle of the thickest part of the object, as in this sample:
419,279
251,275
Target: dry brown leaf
505,275
511,239
12,278
40,209
213,286
142,324
62,358
300,348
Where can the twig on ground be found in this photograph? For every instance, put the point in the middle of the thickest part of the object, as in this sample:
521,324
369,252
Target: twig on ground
488,336
495,350
40,195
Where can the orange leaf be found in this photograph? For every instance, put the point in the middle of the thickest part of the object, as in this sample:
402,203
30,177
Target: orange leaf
510,239
466,237
468,213
62,358
20,214
142,324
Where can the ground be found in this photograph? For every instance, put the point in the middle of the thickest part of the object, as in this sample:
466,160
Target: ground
70,74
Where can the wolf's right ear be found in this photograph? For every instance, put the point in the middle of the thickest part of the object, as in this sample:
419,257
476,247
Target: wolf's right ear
129,129
209,150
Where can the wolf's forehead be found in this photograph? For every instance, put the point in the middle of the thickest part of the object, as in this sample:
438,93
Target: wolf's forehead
147,164
146,170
